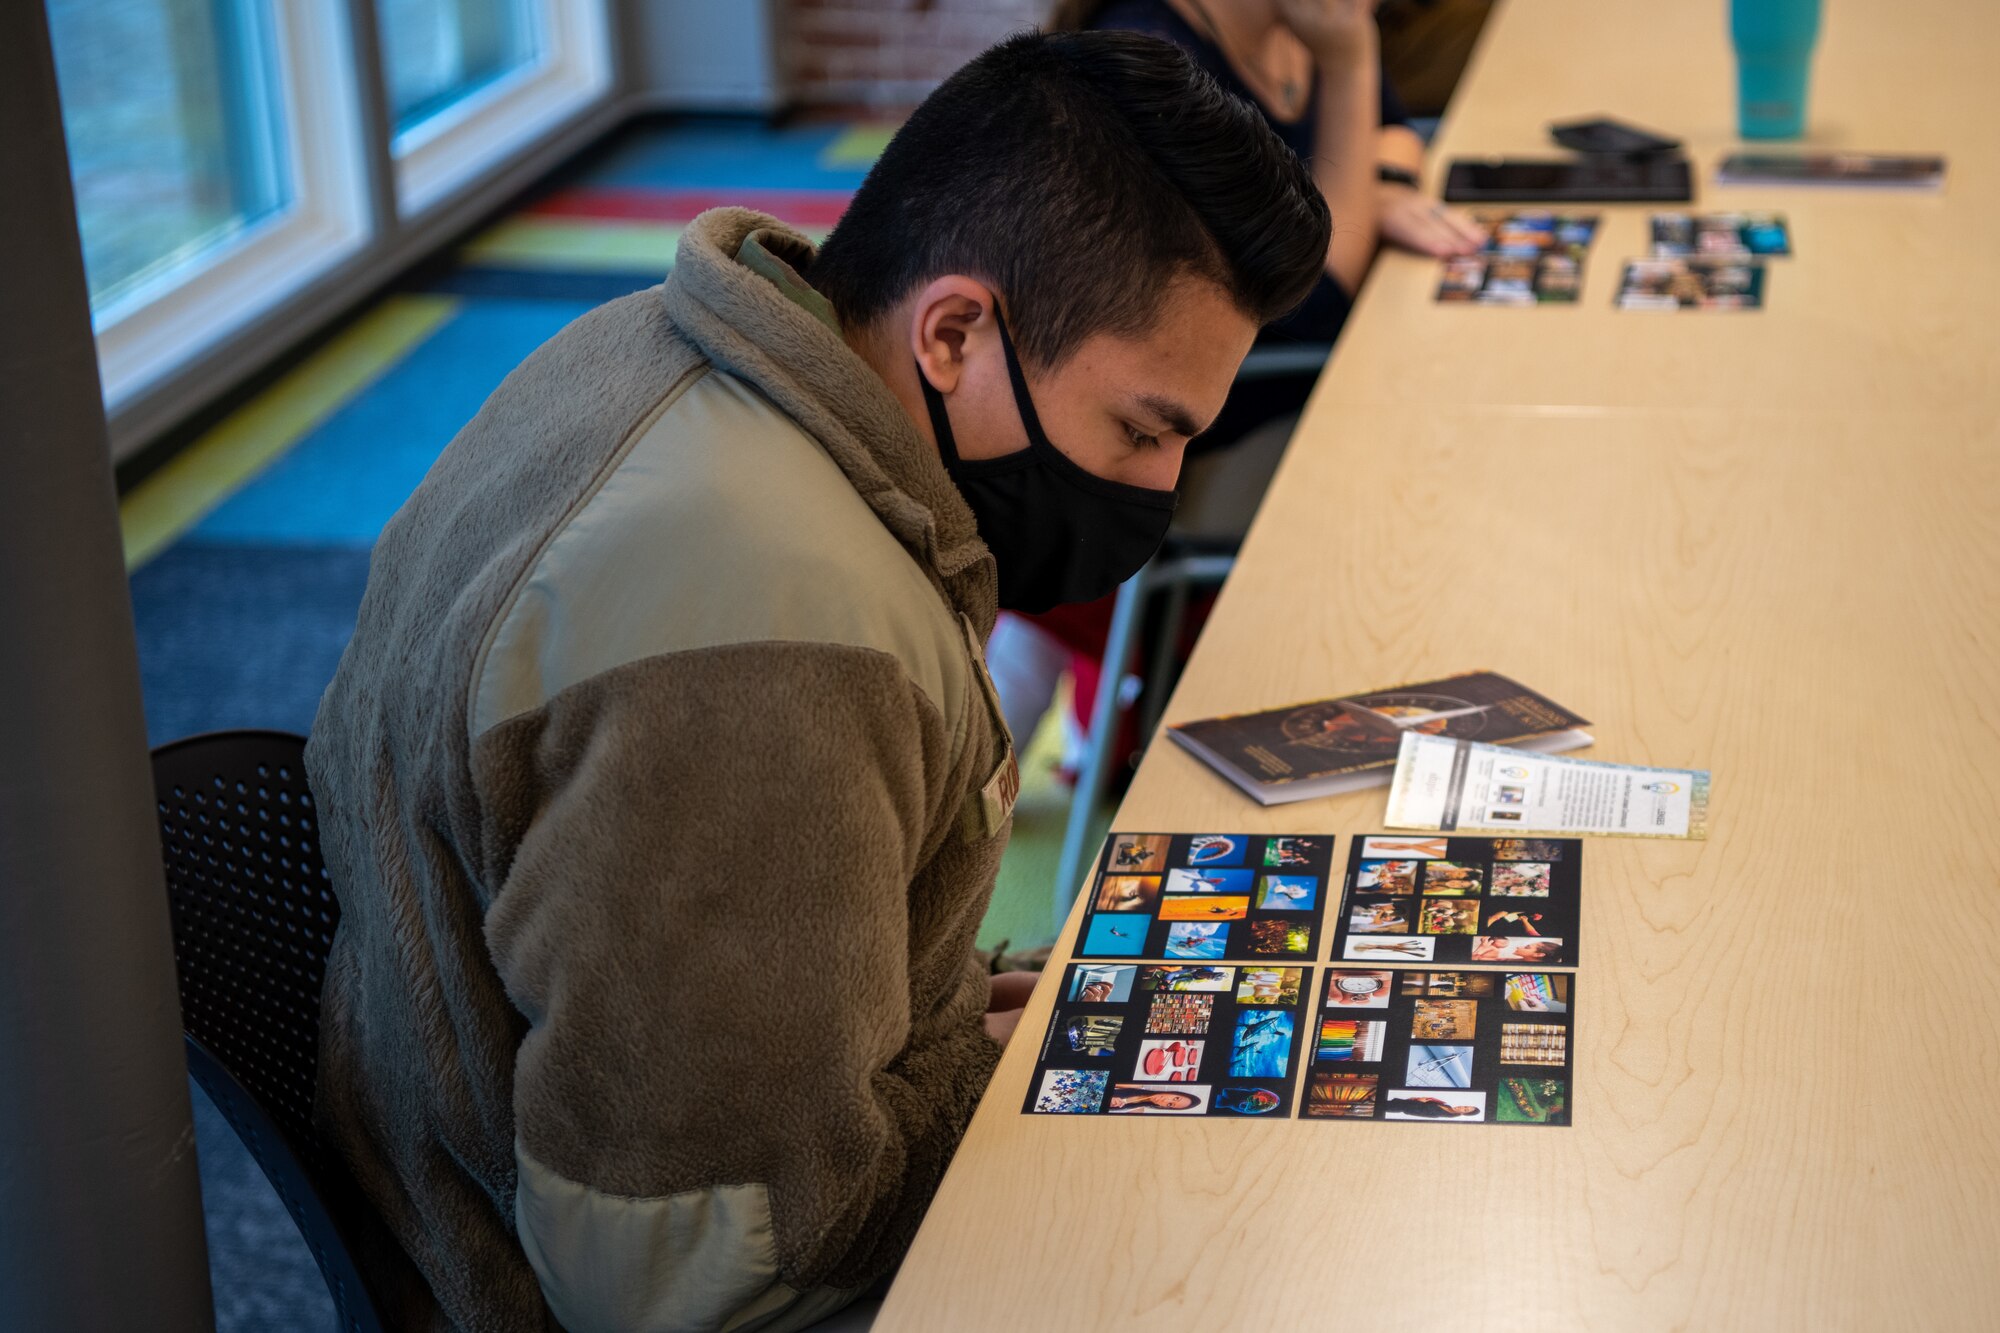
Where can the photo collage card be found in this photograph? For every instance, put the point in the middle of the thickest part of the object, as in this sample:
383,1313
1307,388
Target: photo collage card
1720,235
1172,1039
1529,258
1489,1047
1442,1000
1414,898
1692,283
1205,897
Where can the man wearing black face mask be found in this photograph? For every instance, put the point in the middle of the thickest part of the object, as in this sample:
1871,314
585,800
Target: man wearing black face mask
1059,532
662,784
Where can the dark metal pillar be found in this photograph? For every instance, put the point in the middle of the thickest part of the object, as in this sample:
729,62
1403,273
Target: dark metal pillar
100,1207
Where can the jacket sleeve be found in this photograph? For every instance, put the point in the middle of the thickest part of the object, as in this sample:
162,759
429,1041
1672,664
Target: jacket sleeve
739,1085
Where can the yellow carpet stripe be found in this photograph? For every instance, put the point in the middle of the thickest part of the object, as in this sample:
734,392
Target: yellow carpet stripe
857,146
249,439
590,246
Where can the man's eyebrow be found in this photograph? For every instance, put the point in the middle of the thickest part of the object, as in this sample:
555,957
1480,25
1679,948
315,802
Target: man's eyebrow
1178,418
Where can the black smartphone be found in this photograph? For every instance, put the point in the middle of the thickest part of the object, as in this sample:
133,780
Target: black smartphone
1601,134
1595,180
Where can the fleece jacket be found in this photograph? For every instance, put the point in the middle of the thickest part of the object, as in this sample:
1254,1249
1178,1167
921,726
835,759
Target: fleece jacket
662,787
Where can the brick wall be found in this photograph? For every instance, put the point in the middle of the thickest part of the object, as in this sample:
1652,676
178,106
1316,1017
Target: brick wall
887,53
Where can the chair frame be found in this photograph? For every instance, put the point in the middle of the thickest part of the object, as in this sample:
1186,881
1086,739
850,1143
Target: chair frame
218,834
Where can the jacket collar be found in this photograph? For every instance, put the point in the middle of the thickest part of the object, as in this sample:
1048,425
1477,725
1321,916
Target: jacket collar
746,326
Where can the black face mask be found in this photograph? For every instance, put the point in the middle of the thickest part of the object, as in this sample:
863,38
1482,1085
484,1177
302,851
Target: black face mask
1058,533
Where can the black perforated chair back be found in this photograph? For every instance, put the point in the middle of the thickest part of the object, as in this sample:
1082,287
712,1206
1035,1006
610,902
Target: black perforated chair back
253,921
253,912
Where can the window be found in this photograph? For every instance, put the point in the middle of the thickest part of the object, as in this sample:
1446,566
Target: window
215,150
223,163
473,81
439,52
175,138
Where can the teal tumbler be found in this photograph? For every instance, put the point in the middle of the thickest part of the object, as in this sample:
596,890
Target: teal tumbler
1774,43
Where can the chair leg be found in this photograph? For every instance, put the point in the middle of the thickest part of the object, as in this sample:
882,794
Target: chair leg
1153,698
1182,577
1103,739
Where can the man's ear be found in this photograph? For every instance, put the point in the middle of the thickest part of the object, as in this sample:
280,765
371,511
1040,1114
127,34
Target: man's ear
949,313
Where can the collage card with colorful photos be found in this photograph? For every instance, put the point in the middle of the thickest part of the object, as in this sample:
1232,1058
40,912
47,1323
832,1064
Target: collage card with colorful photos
1721,235
1527,233
1694,283
1439,899
1203,897
1442,1046
1505,280
1528,258
1173,1039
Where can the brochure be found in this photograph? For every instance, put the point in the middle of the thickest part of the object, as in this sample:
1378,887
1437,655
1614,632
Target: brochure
1336,745
1461,786
1882,170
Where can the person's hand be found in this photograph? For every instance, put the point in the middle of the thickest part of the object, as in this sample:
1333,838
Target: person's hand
1403,216
1339,33
1000,1025
1010,991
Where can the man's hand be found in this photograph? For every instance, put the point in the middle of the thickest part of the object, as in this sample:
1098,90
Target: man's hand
1339,33
1405,217
1003,1006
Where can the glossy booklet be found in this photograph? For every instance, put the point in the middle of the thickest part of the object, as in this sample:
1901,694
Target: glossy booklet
1335,745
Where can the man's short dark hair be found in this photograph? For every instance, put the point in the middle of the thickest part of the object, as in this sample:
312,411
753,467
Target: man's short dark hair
1077,173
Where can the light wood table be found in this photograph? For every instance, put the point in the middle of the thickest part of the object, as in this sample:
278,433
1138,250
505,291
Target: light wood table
1787,1092
1886,305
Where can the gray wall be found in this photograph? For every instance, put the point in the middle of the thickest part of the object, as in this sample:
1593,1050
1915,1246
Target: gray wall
704,55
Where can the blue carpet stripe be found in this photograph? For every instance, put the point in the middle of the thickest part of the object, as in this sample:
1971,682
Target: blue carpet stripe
346,477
